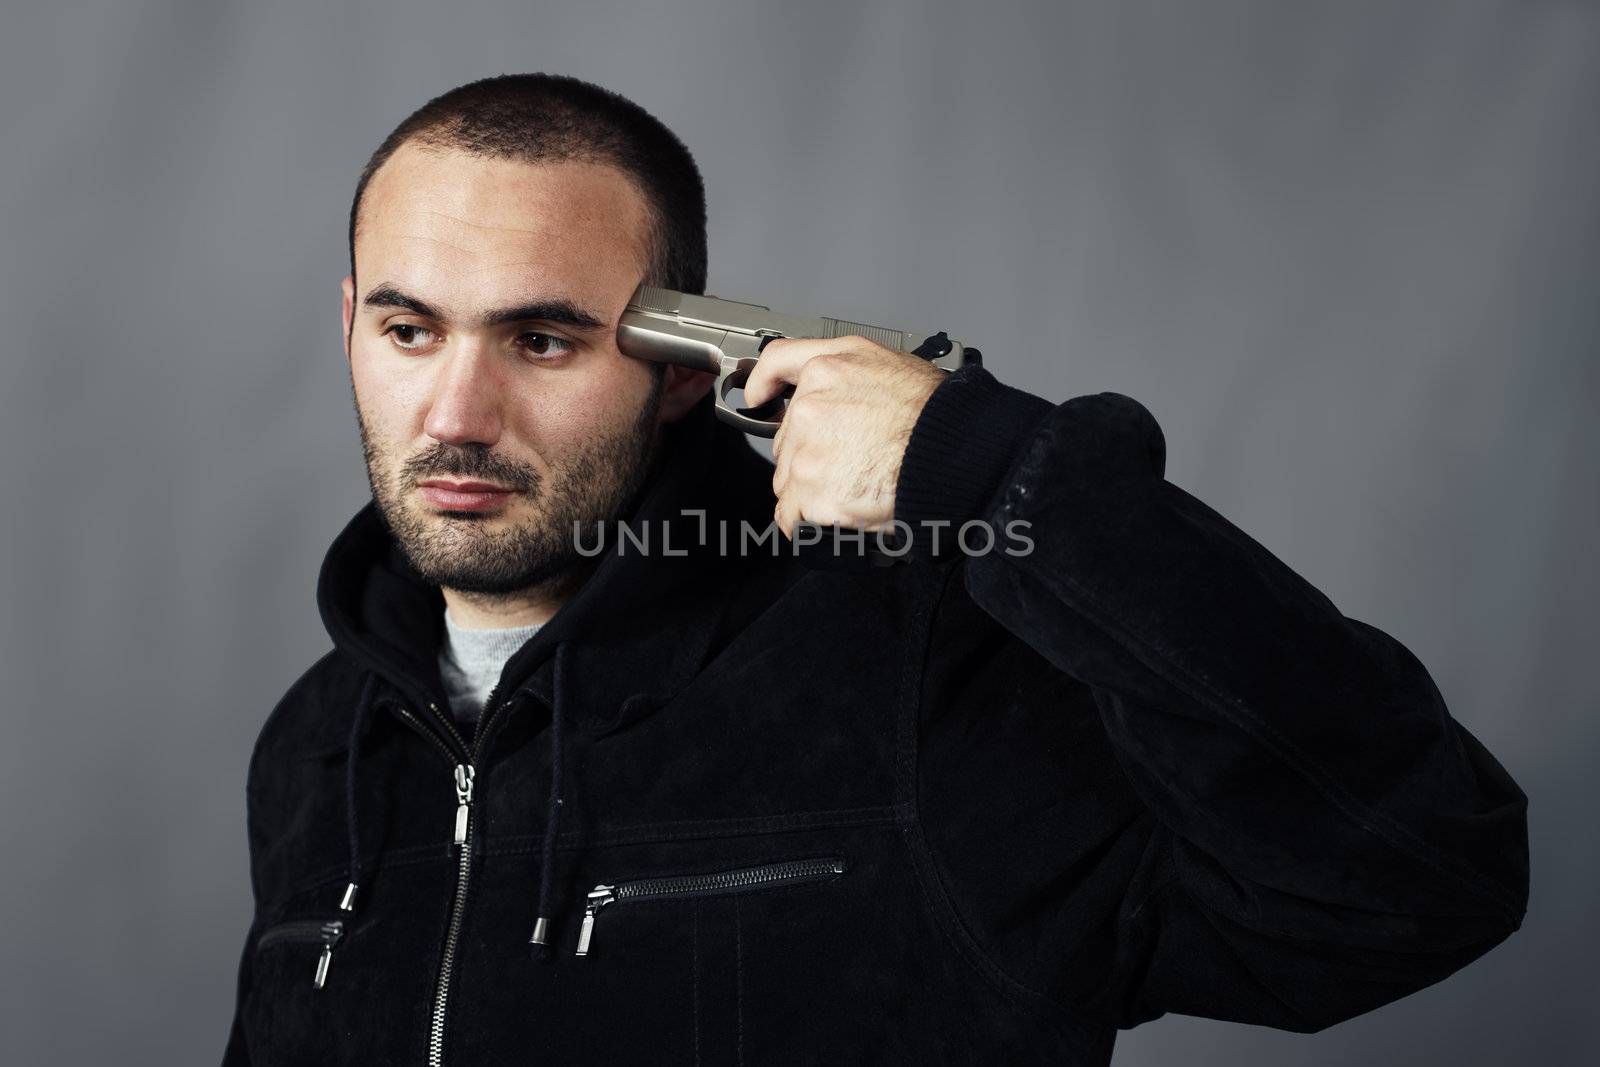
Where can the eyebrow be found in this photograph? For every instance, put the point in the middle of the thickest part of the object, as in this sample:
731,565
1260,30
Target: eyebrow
558,310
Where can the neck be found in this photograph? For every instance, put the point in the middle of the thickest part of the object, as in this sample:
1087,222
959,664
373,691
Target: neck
525,607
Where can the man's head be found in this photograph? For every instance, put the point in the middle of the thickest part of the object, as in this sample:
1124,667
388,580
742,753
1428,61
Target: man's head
495,238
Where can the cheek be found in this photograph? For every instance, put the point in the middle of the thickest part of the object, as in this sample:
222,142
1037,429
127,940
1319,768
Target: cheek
391,409
394,405
572,409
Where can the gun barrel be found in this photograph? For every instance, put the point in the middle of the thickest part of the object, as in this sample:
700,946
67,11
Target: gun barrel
668,340
724,337
674,317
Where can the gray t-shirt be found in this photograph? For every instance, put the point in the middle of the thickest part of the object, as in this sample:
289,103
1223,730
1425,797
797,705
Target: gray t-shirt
470,662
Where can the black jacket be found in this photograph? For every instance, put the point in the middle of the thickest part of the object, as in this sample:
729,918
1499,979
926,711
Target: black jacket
975,808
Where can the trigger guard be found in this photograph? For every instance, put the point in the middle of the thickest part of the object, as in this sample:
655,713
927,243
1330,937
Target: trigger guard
763,419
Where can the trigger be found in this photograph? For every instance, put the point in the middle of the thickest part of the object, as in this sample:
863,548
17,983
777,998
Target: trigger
771,407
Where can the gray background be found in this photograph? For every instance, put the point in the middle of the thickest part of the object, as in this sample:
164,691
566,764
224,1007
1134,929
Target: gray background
1345,252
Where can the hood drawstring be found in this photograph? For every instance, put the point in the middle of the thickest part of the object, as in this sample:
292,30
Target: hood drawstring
352,821
541,924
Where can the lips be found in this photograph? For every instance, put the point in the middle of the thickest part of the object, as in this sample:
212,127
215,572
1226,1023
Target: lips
447,494
465,487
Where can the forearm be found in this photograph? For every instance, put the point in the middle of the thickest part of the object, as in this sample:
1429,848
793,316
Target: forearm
1302,750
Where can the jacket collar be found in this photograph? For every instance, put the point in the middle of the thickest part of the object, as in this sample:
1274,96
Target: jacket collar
638,628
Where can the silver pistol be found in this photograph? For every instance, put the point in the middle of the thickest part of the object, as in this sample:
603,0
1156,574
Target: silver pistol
725,338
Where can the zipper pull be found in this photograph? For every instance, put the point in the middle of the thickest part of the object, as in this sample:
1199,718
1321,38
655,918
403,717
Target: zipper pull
330,934
599,897
464,773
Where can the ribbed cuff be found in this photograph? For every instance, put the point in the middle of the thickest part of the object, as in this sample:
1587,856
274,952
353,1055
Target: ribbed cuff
962,445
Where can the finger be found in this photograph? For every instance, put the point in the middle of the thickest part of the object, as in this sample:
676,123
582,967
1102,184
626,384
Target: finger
781,361
785,515
780,458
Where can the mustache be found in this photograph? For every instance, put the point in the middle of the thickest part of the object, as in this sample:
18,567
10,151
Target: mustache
469,463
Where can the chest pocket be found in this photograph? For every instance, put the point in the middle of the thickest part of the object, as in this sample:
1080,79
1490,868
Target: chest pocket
724,920
329,987
296,999
319,935
698,886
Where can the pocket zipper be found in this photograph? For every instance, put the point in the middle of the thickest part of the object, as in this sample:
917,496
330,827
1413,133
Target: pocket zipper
328,933
702,885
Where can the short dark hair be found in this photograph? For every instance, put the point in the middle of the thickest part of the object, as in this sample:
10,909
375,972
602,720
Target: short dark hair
552,118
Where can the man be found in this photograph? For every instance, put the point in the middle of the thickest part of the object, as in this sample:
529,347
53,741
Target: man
693,804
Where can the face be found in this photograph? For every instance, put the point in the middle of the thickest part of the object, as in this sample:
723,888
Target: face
482,349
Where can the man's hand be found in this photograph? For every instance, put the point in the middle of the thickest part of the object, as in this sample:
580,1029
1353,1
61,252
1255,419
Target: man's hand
845,431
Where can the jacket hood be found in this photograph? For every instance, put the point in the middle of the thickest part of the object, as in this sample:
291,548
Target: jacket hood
630,637
379,611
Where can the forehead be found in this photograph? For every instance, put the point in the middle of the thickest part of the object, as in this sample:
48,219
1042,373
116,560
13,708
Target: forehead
454,222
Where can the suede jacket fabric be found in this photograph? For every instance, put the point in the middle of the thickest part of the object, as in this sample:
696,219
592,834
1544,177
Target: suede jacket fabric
971,808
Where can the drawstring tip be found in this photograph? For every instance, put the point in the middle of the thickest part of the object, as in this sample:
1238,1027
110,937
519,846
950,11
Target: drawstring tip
540,940
349,901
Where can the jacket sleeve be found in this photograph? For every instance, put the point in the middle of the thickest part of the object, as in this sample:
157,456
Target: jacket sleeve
236,1053
1326,837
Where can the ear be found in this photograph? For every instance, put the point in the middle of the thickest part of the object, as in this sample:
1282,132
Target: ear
684,387
349,287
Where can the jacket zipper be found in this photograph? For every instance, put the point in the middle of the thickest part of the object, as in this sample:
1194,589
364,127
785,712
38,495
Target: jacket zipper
328,933
464,775
788,872
464,769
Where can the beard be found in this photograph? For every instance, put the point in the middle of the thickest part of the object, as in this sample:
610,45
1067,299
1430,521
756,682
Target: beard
462,551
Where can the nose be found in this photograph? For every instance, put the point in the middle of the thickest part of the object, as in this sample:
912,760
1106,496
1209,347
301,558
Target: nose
465,406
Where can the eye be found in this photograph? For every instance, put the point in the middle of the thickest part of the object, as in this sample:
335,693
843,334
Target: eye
404,335
543,344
